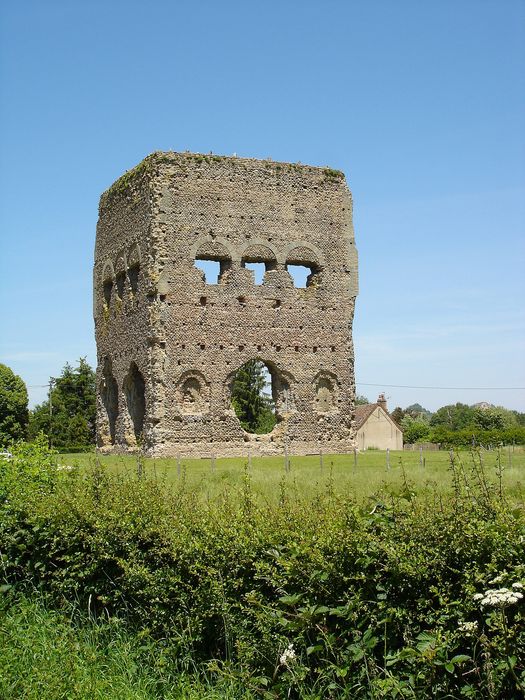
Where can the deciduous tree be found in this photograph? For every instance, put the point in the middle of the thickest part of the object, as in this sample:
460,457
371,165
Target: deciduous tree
70,421
13,406
415,429
361,400
454,417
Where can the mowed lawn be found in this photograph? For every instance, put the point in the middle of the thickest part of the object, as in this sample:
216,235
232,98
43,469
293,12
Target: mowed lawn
363,476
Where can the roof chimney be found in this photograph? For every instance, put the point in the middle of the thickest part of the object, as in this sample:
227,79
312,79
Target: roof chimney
381,401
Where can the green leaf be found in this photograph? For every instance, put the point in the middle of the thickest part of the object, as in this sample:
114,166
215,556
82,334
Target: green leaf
290,599
459,659
321,610
313,649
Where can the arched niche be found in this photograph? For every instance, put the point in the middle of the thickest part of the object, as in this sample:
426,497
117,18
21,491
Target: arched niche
193,393
325,392
134,391
134,264
108,279
109,396
120,276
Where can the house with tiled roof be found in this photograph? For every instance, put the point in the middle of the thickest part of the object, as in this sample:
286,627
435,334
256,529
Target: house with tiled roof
375,427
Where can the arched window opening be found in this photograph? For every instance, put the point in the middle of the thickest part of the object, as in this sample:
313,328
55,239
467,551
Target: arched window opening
135,399
133,277
303,265
211,270
120,283
253,397
259,259
258,269
302,275
109,394
107,290
213,259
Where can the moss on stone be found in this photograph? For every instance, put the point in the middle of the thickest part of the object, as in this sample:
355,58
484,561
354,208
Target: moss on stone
122,185
331,174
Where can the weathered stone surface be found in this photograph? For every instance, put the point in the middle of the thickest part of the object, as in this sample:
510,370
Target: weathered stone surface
169,344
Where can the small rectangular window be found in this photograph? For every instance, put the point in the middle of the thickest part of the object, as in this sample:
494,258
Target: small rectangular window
258,269
211,270
299,274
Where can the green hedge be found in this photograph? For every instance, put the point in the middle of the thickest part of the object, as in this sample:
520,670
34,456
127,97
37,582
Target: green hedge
369,600
469,437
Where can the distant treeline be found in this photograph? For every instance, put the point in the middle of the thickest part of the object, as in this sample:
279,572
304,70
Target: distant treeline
68,417
460,425
468,437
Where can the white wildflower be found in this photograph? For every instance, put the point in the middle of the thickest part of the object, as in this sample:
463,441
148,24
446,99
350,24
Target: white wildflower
498,597
498,579
64,468
288,656
468,627
517,585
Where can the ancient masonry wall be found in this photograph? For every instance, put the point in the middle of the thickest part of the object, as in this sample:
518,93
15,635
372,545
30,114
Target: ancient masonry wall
169,344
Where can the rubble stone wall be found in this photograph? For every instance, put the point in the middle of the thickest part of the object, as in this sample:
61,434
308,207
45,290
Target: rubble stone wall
169,343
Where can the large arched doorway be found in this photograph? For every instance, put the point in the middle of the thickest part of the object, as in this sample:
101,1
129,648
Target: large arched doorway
253,397
135,399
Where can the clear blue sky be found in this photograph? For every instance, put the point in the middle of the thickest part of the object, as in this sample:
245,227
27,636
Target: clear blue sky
422,104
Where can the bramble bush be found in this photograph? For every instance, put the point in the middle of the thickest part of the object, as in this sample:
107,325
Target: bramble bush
324,598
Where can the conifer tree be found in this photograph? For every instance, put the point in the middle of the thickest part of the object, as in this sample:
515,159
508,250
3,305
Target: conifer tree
253,407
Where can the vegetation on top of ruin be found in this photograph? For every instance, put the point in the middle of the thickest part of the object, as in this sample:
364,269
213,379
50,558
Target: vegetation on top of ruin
122,185
331,174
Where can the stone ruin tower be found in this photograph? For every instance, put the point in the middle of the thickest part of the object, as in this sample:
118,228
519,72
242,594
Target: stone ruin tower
169,343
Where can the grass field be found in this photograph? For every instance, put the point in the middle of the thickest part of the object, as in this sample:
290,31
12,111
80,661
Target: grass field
361,476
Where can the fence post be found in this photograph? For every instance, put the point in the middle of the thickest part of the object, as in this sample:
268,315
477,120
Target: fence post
321,458
388,457
420,455
286,460
212,462
355,458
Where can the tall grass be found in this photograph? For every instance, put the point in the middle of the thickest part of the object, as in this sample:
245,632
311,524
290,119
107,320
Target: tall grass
360,477
50,655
